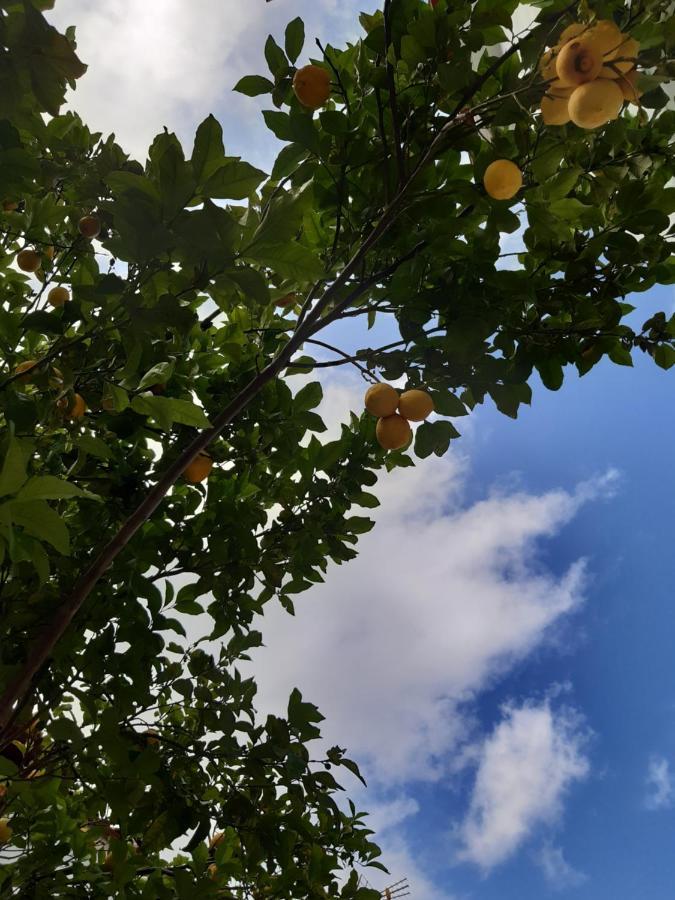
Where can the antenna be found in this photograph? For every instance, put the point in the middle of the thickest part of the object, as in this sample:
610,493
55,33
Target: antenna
398,889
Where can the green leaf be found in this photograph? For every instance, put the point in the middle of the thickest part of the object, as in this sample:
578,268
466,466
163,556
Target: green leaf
560,184
294,38
94,446
308,396
254,85
13,473
289,260
620,355
158,374
208,152
448,404
275,56
664,356
49,487
551,372
234,180
167,410
434,437
38,518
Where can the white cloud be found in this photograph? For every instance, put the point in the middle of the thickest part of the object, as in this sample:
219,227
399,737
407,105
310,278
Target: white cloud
559,874
526,767
660,792
170,63
441,599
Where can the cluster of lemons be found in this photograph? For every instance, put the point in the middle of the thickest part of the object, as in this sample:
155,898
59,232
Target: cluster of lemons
590,72
395,411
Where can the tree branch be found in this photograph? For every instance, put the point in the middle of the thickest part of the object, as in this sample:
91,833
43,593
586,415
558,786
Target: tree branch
391,84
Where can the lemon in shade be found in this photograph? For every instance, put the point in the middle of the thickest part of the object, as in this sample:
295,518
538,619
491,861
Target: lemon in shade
9,205
198,469
502,179
75,409
5,832
547,65
555,110
381,400
287,300
24,370
89,227
393,432
311,85
58,296
217,839
415,405
629,87
596,103
622,60
28,260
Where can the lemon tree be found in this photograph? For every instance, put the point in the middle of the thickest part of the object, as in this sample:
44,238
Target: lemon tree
159,475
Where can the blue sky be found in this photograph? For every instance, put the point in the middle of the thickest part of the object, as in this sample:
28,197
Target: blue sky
500,657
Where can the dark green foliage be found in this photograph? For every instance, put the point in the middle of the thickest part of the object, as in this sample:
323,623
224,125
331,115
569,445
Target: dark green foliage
173,313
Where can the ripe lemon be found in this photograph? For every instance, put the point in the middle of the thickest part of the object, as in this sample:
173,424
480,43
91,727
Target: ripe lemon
572,31
393,432
198,469
311,85
502,179
415,405
5,831
595,103
605,37
381,400
554,109
58,296
89,227
28,260
578,62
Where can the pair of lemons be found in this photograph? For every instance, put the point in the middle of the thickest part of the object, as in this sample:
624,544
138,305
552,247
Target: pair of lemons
395,411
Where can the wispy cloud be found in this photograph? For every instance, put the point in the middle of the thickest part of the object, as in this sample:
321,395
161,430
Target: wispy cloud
660,788
525,769
558,872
